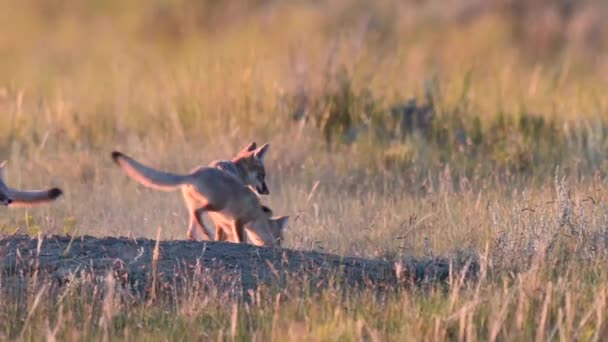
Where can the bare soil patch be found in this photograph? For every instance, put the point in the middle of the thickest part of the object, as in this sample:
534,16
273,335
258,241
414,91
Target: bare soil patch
62,258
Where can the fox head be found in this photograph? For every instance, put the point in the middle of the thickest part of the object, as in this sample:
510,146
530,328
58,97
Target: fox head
276,225
4,199
250,161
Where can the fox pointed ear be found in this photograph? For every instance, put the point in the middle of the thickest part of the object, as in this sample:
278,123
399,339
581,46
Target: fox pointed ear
249,148
282,221
260,152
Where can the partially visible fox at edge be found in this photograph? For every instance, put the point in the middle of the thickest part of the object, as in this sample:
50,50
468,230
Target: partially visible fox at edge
14,198
208,189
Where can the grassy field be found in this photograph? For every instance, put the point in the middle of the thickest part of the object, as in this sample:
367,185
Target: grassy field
396,128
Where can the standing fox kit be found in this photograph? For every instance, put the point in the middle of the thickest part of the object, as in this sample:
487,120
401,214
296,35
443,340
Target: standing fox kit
248,167
210,189
19,198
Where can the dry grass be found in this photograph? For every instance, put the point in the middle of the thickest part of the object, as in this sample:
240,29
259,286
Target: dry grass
177,84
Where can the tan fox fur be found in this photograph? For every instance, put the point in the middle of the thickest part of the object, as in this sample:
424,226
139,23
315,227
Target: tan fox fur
207,189
20,198
223,227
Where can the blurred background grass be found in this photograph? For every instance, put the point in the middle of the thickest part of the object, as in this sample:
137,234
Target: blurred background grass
92,72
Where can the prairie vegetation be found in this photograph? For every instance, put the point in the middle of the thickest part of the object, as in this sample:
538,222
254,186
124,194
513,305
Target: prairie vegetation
397,129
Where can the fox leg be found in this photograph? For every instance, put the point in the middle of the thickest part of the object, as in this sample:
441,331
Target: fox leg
191,228
219,233
195,210
237,231
225,233
190,205
195,225
192,222
199,224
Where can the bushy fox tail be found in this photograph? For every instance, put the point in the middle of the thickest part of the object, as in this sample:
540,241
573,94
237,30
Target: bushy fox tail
24,199
148,176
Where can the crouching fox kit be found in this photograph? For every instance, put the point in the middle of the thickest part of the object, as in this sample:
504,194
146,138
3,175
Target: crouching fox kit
209,189
14,198
223,227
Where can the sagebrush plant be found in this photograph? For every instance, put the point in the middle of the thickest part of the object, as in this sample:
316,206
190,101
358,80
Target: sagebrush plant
397,129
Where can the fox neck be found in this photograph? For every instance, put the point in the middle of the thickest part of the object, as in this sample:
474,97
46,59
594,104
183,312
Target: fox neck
241,170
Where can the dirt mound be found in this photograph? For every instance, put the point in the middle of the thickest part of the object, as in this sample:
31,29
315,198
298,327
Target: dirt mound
60,258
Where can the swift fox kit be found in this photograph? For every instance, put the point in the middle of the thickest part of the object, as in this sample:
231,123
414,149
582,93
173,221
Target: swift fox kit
248,167
19,198
223,226
208,189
